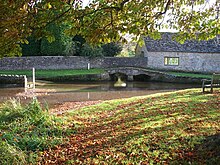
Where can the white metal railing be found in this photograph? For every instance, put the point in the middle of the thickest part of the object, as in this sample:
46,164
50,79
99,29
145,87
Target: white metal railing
26,85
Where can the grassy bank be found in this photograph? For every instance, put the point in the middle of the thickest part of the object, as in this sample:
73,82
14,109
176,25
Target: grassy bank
192,75
52,73
68,72
25,131
172,128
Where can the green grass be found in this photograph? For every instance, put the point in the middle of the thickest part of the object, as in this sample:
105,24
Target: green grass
180,127
172,128
27,130
193,75
52,73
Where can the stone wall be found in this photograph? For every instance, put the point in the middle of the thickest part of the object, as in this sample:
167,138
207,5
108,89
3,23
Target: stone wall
68,62
190,62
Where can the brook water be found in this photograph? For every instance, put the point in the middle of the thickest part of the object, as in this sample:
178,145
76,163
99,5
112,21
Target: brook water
54,93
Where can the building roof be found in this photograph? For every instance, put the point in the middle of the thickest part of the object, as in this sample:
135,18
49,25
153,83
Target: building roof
166,44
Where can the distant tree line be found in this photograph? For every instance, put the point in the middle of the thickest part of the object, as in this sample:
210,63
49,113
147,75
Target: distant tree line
58,43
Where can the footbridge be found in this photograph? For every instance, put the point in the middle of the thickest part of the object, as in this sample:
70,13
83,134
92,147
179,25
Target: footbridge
134,73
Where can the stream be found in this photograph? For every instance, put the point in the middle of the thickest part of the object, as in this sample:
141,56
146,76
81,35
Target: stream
58,93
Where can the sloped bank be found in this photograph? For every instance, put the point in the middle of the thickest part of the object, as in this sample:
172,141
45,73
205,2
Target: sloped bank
168,78
176,79
77,78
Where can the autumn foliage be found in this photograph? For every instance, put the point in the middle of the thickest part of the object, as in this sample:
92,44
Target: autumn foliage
105,21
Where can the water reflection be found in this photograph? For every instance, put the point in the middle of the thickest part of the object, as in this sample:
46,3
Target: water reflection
120,83
58,93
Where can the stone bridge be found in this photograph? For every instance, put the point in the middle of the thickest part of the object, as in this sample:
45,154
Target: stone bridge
133,73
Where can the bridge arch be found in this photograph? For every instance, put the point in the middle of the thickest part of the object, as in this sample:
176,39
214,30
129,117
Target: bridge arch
114,76
141,77
133,73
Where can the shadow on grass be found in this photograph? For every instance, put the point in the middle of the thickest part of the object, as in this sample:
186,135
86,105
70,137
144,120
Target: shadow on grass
132,133
207,152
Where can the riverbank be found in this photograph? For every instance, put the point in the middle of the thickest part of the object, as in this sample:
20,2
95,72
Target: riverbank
40,73
167,128
64,75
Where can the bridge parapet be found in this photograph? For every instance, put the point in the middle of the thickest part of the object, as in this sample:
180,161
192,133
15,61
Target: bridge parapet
152,75
133,71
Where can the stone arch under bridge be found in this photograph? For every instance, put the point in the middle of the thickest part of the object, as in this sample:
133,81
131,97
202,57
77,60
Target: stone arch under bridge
132,73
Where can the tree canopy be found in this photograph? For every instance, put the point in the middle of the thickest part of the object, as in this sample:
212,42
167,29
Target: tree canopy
105,20
61,43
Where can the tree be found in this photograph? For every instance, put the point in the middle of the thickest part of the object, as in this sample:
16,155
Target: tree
32,48
91,51
111,49
78,43
105,20
60,43
81,48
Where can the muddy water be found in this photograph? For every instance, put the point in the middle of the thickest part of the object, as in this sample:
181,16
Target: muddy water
53,93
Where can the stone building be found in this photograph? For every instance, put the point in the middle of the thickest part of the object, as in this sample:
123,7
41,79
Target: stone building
192,56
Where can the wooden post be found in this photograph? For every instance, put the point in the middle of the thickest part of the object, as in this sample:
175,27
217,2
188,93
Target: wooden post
88,95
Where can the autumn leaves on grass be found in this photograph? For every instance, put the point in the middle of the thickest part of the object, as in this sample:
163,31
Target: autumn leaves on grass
170,128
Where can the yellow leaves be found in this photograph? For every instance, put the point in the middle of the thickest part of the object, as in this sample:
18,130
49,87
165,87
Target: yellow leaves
16,140
25,7
141,42
24,41
51,38
49,6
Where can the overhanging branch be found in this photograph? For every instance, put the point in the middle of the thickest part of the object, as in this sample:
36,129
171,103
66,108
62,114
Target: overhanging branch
165,10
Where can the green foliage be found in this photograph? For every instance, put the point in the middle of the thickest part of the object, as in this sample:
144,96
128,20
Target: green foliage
57,42
78,43
32,48
105,50
91,51
10,154
111,49
81,48
26,130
